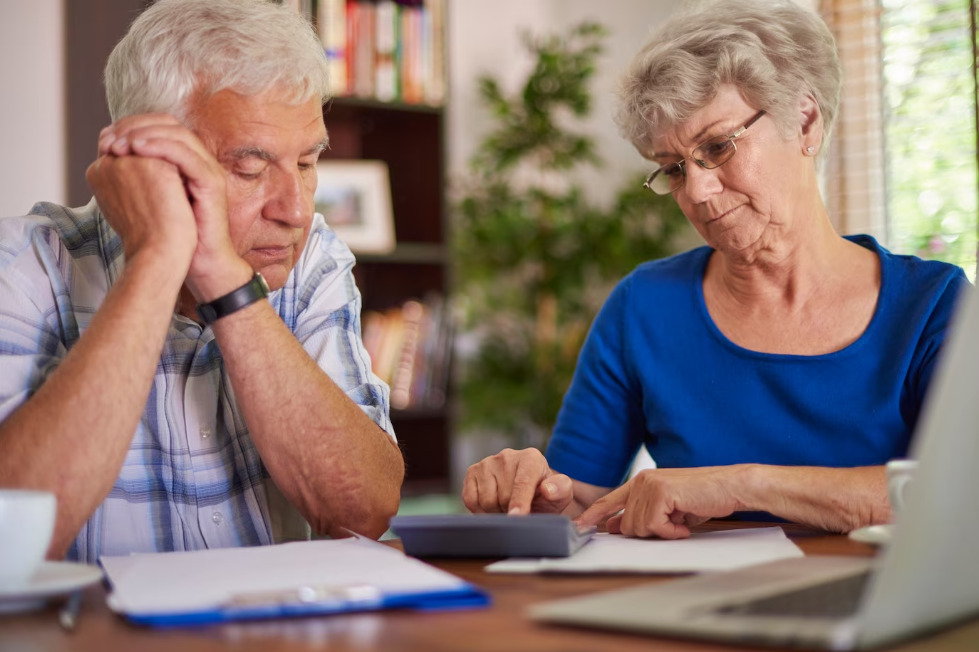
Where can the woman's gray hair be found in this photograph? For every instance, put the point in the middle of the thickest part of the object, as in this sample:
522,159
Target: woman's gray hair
773,51
178,50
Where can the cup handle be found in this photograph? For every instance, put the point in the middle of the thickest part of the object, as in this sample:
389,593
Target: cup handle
898,485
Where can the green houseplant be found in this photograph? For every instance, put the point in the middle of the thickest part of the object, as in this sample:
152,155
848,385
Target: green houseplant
534,258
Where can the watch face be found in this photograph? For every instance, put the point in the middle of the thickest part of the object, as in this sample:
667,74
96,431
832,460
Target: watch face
235,300
262,283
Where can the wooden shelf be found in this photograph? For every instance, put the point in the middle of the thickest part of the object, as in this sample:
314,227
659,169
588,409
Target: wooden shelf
411,252
368,103
410,140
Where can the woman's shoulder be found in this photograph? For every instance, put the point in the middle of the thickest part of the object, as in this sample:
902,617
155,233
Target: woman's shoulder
678,268
910,272
671,281
915,290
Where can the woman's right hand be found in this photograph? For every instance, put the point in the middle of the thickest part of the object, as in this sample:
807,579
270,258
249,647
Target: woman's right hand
516,482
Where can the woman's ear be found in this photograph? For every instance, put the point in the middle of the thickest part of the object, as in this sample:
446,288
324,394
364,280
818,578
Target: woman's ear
811,122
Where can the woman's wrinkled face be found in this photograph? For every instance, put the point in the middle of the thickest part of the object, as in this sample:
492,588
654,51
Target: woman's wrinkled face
752,197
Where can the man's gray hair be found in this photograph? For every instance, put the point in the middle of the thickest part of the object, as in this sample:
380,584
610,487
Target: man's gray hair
180,50
773,51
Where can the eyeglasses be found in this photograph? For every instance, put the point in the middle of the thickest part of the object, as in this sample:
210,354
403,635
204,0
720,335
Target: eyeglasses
709,154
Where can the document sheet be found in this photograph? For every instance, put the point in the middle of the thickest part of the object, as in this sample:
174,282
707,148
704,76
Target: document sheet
304,577
708,551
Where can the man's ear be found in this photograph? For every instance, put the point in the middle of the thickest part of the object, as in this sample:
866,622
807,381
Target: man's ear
811,123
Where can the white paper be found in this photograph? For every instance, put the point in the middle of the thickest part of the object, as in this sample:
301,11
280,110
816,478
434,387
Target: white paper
196,581
708,551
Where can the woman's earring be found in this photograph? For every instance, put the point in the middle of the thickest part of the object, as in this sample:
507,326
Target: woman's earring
810,149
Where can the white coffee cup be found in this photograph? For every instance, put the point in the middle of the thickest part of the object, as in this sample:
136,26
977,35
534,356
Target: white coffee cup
26,527
899,476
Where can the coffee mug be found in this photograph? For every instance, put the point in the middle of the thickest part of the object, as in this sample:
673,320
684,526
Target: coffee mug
899,476
26,527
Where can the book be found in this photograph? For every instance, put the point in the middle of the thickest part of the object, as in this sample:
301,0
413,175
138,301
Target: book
360,49
412,316
433,30
410,349
331,23
410,49
387,35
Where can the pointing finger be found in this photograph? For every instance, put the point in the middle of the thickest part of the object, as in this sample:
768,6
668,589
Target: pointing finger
605,506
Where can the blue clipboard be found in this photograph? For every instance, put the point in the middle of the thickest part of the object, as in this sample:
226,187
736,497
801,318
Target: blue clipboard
292,605
309,578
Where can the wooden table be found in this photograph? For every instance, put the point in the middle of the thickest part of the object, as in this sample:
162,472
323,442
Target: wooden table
501,627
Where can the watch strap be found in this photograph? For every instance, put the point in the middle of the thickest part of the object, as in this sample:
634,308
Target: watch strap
252,291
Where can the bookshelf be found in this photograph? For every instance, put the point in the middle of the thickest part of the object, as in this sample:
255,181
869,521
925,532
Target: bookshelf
390,109
409,139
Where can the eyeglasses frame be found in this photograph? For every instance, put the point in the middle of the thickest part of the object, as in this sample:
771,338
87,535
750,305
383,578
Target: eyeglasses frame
682,162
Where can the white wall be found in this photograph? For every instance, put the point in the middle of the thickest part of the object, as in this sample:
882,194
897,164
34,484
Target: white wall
484,39
32,118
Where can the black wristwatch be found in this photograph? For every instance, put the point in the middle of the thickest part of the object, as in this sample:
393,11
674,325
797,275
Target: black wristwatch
235,300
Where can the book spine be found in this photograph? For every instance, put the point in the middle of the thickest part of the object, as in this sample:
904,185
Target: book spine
412,315
331,21
433,12
386,82
360,37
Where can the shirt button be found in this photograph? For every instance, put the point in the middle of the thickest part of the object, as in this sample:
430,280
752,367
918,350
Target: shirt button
217,518
205,432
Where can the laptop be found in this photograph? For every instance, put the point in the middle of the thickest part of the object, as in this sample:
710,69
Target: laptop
925,578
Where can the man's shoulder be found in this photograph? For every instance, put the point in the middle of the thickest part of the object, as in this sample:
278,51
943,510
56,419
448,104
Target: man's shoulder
76,229
21,233
325,263
324,252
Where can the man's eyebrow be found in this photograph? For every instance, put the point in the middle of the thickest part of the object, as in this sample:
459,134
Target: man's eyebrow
259,153
249,152
319,147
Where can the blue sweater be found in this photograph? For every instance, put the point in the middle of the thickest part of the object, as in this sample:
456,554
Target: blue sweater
656,371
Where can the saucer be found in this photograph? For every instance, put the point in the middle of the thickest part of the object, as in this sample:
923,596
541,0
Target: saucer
873,534
52,579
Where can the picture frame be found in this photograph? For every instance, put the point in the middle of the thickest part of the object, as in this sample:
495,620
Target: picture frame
354,197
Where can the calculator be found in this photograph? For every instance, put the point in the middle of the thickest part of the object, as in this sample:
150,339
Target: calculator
490,535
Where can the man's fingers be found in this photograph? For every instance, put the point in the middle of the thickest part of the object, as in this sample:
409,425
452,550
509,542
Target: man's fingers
116,137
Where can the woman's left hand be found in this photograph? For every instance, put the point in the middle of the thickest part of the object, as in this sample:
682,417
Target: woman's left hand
666,502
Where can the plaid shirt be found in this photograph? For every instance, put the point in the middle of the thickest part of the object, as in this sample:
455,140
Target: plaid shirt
192,478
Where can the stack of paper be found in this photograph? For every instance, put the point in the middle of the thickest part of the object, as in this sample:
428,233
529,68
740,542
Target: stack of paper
709,551
310,577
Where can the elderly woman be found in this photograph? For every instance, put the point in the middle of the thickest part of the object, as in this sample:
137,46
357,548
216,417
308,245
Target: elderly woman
775,369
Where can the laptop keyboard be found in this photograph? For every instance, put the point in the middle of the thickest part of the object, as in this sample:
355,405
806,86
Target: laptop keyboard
835,599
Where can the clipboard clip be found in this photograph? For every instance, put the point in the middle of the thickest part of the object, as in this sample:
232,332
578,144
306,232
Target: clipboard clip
308,595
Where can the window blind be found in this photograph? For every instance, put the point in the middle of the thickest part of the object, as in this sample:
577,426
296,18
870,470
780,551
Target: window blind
918,159
854,176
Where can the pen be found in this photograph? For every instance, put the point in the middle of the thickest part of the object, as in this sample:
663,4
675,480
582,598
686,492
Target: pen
68,615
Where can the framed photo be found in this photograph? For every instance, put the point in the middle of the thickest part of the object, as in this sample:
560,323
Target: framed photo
355,199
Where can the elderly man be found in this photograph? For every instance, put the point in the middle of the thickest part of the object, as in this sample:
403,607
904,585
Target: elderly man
182,363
